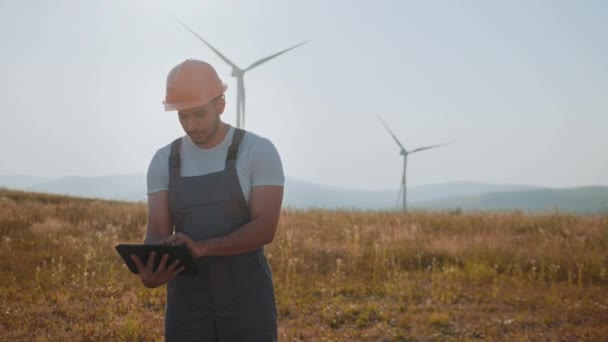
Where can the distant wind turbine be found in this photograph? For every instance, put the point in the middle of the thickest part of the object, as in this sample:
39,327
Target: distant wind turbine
239,73
405,153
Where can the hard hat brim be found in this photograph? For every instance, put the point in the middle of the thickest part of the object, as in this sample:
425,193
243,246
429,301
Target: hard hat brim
192,104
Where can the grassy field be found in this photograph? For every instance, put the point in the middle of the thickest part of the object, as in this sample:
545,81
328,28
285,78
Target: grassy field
339,275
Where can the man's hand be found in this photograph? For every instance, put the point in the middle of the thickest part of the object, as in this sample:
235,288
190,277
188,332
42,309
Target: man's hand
163,274
196,248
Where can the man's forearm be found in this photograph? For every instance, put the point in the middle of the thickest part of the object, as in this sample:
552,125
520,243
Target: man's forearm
247,238
154,237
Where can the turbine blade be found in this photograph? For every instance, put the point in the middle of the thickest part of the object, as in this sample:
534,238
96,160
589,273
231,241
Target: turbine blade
266,59
427,147
391,133
224,58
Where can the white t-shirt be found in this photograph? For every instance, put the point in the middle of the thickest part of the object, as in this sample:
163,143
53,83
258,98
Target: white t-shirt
258,162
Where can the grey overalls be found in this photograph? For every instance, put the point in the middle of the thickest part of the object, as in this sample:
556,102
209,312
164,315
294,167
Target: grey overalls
232,299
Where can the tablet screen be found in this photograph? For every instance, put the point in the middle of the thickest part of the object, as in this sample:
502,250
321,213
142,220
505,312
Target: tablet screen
143,251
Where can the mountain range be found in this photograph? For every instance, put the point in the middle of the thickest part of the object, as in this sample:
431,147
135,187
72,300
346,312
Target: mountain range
469,196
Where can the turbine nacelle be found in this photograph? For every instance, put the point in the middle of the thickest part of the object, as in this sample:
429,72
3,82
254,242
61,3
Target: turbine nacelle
238,72
404,153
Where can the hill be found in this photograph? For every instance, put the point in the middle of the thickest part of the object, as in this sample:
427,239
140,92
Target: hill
301,194
306,195
592,199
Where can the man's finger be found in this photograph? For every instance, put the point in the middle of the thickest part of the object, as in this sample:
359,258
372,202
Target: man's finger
165,241
150,263
177,271
163,263
173,265
140,266
177,239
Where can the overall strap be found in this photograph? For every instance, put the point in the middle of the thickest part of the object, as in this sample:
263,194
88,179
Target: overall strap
238,210
233,150
175,166
175,161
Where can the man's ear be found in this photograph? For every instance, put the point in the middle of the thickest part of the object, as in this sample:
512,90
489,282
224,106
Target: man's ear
220,105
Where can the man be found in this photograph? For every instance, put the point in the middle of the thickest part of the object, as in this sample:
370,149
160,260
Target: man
218,190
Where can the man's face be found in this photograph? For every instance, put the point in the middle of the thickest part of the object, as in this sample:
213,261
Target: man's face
203,123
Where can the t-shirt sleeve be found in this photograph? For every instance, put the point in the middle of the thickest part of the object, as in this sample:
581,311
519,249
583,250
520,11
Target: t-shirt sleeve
267,168
158,173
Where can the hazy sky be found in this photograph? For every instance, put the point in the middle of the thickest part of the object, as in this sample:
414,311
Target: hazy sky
520,87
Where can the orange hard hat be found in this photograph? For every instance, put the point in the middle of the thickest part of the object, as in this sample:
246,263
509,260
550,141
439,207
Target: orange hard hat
192,83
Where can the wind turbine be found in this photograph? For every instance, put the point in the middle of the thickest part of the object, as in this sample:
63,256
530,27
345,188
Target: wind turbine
239,73
405,153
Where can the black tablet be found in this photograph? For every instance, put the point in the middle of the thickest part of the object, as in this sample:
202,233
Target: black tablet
143,251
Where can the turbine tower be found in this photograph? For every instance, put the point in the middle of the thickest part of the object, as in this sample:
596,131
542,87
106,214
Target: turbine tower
405,153
239,73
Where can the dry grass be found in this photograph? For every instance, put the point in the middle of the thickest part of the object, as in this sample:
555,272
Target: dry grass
339,275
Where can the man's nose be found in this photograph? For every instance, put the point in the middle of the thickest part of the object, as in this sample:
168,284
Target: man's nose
192,125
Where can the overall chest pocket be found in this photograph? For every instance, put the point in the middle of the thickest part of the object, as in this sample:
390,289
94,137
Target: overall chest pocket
205,213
